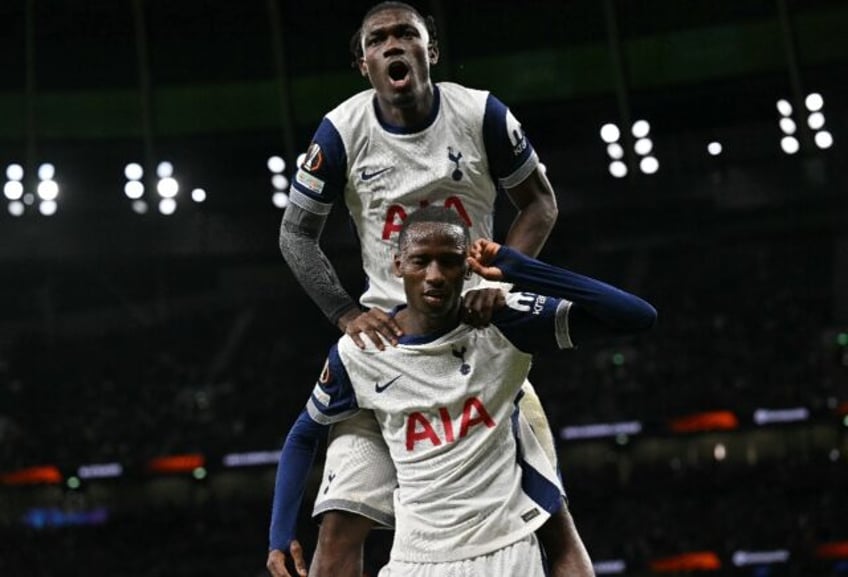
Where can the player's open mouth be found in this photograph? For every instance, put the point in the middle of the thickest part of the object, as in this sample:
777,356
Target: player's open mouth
398,74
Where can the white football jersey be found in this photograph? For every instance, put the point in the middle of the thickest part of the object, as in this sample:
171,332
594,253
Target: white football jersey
470,146
446,405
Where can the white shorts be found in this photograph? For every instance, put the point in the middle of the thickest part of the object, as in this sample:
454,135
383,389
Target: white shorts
359,475
523,558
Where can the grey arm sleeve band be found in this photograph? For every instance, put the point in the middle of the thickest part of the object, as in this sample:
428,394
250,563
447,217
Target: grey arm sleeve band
299,234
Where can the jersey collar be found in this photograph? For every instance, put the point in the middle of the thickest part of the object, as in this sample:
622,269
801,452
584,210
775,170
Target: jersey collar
434,112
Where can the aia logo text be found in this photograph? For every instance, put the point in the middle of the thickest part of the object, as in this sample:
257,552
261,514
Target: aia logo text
444,428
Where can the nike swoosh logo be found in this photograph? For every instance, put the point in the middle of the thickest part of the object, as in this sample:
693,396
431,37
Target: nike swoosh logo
368,176
380,389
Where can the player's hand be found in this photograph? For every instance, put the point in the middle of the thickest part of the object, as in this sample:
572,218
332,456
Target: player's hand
276,563
479,304
378,326
480,256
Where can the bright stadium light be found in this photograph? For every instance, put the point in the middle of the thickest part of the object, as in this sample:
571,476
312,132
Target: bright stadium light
164,169
789,144
139,207
787,125
815,120
649,165
618,169
46,171
714,148
280,199
279,182
47,207
643,146
615,151
610,133
720,452
15,172
48,190
29,198
276,164
641,128
814,102
167,206
13,190
133,171
823,139
134,189
16,208
300,158
198,195
783,107
167,187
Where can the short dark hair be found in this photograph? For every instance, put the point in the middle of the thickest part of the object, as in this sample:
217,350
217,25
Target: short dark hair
433,214
356,40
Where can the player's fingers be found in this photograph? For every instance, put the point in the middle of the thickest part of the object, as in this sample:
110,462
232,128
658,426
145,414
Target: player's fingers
297,556
276,564
357,340
374,335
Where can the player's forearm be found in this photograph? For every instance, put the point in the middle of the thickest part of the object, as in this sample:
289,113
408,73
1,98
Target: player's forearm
617,310
537,215
292,473
299,234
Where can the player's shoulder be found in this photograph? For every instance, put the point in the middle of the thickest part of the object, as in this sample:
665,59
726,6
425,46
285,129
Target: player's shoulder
351,110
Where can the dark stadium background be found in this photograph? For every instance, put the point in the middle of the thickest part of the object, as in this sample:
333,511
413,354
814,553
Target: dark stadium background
150,365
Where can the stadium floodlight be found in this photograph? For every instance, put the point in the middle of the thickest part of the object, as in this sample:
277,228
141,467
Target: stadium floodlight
199,473
714,148
47,207
814,102
649,165
618,169
15,172
13,190
641,128
643,146
28,198
276,164
615,151
783,107
198,195
46,171
134,189
823,139
133,171
279,182
610,133
815,120
73,483
789,144
164,169
168,187
139,207
280,199
48,190
167,206
720,452
16,208
787,125
300,159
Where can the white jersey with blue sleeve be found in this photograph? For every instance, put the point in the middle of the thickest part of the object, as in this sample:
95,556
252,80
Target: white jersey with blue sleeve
470,146
447,409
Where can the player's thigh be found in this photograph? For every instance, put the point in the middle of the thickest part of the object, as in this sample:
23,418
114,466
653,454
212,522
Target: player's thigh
359,476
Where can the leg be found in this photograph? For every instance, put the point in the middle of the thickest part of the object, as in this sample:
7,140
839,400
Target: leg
340,544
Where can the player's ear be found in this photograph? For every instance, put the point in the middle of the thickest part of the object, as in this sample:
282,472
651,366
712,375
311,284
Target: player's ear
363,68
433,54
396,266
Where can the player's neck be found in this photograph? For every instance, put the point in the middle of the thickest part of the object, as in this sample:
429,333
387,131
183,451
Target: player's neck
412,116
414,323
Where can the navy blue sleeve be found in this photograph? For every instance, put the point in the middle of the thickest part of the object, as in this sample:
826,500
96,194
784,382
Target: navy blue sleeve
506,145
322,176
528,320
598,309
292,473
333,398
